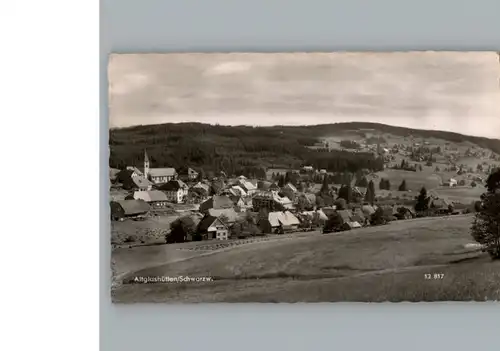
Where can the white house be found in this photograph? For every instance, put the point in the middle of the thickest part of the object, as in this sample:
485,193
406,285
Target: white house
176,190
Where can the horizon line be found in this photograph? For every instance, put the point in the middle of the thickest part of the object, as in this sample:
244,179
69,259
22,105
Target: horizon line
297,125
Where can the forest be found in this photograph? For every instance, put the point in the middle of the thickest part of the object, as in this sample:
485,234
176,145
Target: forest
247,149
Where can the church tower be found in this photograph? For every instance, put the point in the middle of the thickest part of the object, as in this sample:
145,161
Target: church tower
146,164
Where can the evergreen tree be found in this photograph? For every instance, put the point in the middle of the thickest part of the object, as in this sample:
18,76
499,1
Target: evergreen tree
422,201
345,193
486,227
370,193
381,184
362,182
281,181
324,186
402,187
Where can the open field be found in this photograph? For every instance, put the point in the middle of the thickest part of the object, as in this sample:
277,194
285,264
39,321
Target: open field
465,194
386,263
414,180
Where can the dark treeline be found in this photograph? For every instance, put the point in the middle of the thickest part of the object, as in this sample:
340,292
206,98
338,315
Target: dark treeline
238,149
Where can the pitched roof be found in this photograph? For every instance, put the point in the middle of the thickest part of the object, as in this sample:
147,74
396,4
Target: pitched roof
247,185
321,214
133,207
263,185
150,196
162,172
368,210
202,186
440,203
216,202
229,213
134,169
141,182
282,218
173,185
206,223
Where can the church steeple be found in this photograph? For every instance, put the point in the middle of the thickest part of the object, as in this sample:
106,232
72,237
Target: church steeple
146,164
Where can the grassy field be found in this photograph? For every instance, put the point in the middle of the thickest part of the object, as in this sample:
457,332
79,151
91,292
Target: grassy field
465,194
149,231
414,180
387,263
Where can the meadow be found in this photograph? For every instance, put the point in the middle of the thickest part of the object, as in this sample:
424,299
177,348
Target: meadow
386,263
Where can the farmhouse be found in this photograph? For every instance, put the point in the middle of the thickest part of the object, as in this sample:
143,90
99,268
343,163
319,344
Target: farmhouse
176,190
227,215
201,189
441,206
213,228
155,198
122,209
247,186
347,221
279,222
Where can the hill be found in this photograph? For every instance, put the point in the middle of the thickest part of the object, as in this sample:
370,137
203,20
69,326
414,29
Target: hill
387,263
251,150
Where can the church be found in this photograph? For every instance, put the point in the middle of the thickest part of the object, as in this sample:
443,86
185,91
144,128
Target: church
158,175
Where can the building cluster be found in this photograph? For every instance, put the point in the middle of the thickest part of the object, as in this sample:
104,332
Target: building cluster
222,207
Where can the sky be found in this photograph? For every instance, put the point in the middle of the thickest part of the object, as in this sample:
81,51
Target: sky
450,91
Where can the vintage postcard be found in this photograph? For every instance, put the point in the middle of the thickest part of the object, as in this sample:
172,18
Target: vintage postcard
304,177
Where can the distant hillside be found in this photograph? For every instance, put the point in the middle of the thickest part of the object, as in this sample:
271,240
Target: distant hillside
246,149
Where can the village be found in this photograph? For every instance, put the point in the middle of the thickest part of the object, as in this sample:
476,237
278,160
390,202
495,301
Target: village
186,205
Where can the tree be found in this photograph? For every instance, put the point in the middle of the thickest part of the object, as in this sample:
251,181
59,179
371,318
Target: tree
333,223
324,186
420,168
422,201
320,202
316,220
345,193
281,181
377,218
370,193
402,186
362,182
403,164
486,226
180,229
473,184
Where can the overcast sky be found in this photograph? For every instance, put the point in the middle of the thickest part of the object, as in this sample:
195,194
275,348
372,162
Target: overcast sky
457,92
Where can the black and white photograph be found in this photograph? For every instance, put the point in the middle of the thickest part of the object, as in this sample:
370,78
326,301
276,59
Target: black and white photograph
304,177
